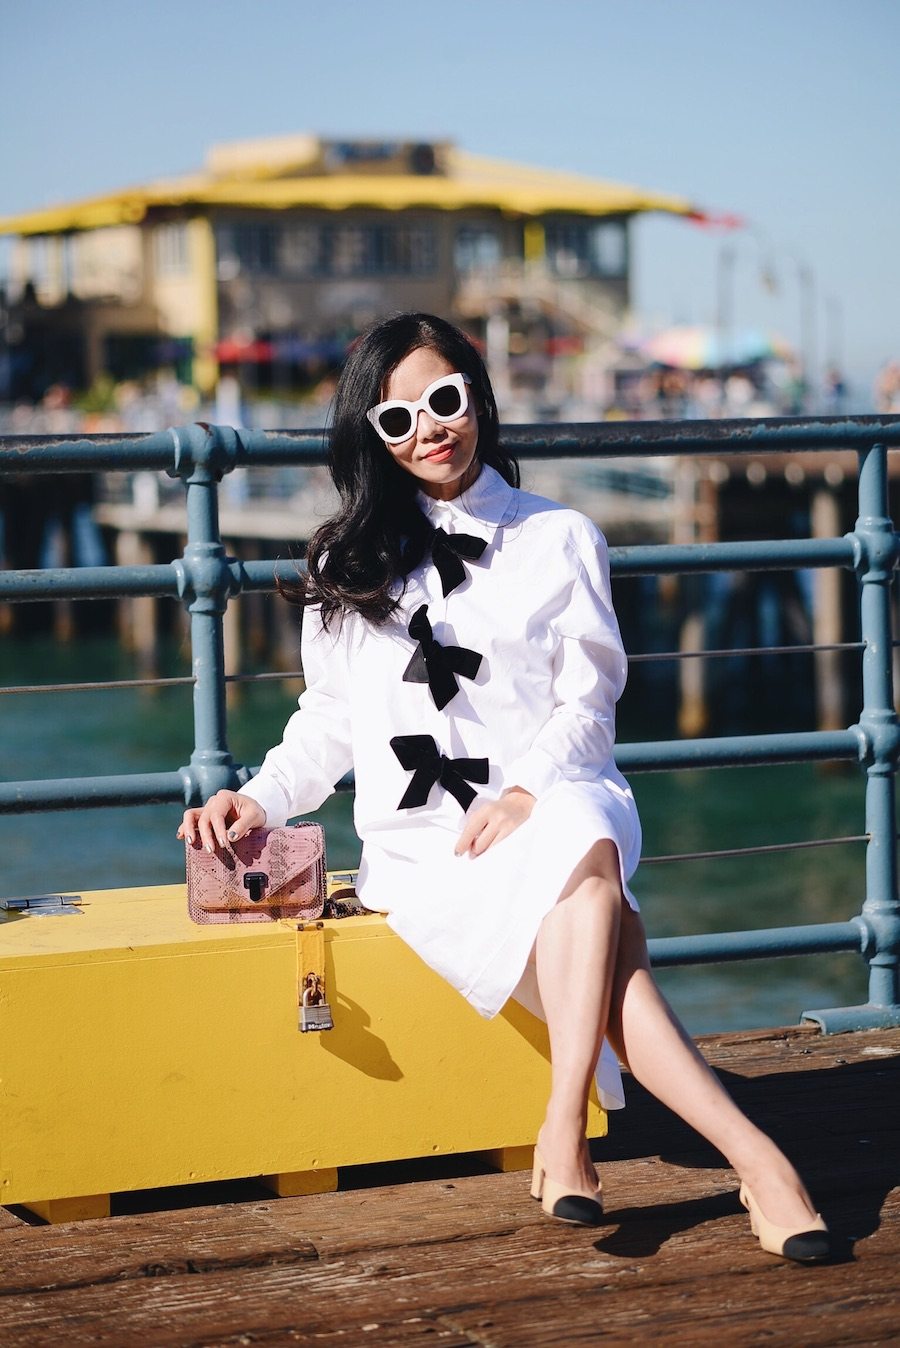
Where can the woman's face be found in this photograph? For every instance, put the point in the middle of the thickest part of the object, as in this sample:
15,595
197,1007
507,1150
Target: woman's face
439,454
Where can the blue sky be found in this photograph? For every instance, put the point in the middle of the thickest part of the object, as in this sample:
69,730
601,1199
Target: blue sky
786,112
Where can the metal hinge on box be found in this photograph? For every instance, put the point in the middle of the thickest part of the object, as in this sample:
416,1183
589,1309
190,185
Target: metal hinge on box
314,1010
43,905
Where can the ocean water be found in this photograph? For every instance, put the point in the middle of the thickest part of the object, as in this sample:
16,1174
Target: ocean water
86,733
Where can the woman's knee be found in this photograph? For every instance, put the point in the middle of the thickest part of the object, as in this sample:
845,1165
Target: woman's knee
589,909
594,898
597,877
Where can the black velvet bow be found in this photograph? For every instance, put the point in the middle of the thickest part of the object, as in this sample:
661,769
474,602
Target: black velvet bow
446,551
435,664
420,755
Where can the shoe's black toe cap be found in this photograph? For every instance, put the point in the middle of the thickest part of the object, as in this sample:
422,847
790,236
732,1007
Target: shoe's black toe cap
574,1208
809,1247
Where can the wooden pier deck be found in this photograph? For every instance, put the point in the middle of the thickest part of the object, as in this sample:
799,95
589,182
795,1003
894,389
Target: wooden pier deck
456,1256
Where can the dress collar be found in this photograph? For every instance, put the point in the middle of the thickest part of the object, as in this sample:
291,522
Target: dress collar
480,510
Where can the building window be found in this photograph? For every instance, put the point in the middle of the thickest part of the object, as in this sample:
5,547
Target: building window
415,250
300,250
351,251
477,248
579,248
247,248
69,264
567,249
40,262
312,250
608,248
170,249
227,265
380,250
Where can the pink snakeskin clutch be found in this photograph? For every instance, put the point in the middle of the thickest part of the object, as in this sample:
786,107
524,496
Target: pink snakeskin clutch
269,874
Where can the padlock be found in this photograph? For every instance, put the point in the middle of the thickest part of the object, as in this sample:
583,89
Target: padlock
316,1018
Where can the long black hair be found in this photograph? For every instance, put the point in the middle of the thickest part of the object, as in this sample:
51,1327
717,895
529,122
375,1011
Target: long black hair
379,533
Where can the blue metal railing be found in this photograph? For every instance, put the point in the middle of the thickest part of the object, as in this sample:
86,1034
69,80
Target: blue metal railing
204,578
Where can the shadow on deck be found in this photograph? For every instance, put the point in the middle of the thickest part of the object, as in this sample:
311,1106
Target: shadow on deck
440,1252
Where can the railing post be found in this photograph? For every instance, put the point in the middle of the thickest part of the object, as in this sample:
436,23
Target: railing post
876,546
207,579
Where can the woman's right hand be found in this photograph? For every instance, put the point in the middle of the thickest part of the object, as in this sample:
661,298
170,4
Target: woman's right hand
226,816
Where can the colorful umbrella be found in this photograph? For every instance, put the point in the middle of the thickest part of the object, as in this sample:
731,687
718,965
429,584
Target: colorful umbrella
699,348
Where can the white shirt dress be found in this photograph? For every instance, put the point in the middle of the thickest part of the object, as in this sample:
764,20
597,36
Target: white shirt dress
428,726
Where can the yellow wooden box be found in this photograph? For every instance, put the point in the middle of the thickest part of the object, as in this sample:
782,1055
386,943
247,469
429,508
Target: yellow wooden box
140,1050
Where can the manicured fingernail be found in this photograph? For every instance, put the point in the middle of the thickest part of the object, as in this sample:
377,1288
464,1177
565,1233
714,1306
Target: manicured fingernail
220,839
232,833
190,838
210,849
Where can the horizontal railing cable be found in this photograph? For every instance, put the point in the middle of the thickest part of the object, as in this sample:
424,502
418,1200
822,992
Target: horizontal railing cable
805,649
116,685
760,850
98,686
270,676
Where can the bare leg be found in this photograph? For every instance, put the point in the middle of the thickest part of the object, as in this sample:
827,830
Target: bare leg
594,979
651,1041
576,952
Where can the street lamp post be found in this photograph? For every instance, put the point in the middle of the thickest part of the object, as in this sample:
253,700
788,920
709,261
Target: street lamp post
807,282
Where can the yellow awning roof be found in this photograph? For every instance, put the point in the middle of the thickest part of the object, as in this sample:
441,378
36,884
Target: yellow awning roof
471,181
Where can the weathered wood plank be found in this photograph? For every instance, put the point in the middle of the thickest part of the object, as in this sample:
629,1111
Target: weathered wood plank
679,1254
553,1304
70,1256
10,1220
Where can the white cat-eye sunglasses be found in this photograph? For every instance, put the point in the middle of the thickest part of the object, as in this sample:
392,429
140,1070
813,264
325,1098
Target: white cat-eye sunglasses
444,400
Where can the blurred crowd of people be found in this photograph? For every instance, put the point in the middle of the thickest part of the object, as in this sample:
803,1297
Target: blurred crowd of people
768,389
109,408
158,401
887,387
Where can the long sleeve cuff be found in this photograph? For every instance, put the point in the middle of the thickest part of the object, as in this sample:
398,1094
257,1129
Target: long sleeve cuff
270,797
535,771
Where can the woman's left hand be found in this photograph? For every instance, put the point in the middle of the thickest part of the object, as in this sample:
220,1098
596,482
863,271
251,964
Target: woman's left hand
493,821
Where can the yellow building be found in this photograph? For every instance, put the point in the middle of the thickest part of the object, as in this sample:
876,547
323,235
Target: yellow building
281,250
